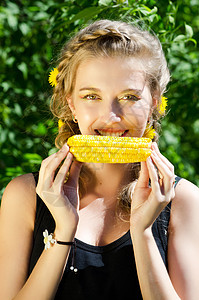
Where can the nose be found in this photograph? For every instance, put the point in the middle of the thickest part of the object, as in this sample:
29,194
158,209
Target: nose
112,118
111,114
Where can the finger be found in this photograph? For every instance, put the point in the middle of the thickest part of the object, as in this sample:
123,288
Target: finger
143,180
167,174
153,175
74,173
51,165
45,163
61,175
164,159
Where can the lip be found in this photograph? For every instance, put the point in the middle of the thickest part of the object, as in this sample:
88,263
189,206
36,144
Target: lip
111,130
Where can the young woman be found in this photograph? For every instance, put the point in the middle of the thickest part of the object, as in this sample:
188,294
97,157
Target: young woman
134,237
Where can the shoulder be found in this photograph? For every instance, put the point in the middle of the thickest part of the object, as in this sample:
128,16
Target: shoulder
20,196
23,185
185,205
184,221
24,182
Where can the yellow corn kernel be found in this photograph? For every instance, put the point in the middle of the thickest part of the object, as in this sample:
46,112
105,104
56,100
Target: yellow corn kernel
109,149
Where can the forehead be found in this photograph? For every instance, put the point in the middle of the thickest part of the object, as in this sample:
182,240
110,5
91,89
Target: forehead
111,72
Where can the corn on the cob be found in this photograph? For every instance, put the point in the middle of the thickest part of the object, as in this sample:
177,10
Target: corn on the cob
109,149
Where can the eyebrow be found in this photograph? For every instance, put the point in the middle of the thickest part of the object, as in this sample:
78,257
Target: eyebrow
98,90
90,89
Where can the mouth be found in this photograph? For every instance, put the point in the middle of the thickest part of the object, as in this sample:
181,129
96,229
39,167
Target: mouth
111,132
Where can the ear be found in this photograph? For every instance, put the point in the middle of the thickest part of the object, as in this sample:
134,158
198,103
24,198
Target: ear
154,101
153,106
71,104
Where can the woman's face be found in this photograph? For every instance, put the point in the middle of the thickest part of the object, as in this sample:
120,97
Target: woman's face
111,97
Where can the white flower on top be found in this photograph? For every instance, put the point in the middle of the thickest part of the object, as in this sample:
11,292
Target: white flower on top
48,239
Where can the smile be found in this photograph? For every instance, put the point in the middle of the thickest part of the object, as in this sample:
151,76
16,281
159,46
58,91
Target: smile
111,132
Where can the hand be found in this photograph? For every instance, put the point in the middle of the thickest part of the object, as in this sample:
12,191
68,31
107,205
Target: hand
60,197
149,201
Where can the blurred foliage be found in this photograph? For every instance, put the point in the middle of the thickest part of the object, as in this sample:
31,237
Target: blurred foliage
32,34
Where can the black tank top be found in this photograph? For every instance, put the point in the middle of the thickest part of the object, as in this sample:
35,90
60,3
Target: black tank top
104,272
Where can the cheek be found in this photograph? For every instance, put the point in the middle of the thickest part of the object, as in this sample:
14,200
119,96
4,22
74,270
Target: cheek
86,112
86,117
137,114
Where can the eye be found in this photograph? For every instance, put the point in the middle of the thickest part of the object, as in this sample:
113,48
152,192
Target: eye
91,97
130,97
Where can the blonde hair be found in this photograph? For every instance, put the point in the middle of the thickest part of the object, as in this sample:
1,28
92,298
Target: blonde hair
106,38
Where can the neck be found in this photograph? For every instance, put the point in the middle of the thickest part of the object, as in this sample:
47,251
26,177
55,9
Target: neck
106,180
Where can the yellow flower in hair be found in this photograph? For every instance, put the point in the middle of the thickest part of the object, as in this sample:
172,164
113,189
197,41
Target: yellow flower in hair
163,105
60,123
52,77
149,132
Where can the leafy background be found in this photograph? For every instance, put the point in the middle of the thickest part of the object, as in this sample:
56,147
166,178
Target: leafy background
32,34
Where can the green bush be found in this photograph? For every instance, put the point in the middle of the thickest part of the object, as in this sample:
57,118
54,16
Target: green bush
33,32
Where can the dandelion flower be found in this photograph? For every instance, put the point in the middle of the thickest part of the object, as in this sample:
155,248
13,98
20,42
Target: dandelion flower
60,123
52,77
149,132
163,105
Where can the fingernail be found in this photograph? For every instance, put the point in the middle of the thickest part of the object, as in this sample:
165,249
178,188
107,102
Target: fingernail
64,147
149,159
70,155
156,146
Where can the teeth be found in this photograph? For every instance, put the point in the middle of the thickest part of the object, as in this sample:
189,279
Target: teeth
108,133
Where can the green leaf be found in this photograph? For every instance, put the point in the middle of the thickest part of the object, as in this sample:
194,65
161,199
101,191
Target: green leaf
33,8
145,8
12,21
33,158
52,151
86,13
154,10
171,138
40,129
171,20
5,85
15,171
12,8
104,2
193,41
24,28
12,137
24,69
41,15
17,109
188,30
179,38
10,60
196,126
3,135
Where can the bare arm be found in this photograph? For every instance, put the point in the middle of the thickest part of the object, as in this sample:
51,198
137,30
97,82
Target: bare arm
147,203
183,244
46,275
16,228
153,276
181,282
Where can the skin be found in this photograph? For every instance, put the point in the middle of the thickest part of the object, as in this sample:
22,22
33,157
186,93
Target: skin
92,219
